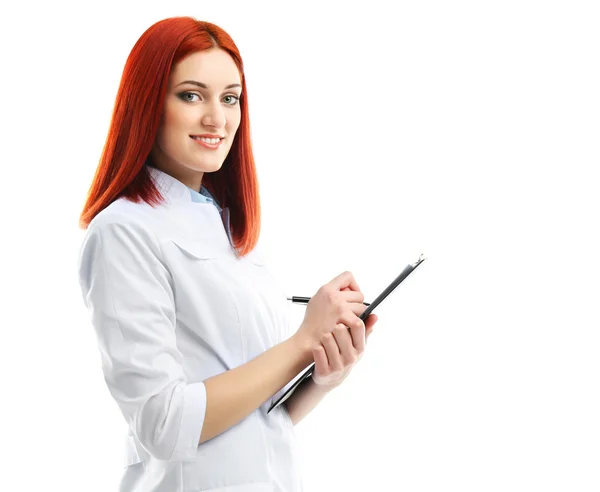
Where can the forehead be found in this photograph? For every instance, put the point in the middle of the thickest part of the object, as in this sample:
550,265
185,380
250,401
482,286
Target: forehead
214,67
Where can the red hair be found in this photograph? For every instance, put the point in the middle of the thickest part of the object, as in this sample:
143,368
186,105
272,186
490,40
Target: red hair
138,107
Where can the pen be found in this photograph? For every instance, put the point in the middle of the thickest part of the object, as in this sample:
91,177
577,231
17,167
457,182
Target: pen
304,300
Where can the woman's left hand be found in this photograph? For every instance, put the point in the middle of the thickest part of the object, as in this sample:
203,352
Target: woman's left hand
338,351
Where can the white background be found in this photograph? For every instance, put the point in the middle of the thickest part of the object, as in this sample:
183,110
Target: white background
464,130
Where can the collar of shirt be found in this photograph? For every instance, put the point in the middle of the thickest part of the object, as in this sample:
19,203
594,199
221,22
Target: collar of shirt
204,197
174,191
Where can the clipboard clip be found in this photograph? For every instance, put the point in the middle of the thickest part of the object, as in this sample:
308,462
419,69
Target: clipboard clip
421,259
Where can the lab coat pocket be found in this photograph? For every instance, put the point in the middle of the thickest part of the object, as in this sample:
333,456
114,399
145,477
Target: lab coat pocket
205,249
236,459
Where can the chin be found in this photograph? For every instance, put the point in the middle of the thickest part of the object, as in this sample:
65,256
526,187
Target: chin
208,167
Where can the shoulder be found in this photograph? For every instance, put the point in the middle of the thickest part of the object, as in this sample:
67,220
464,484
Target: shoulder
118,213
139,216
122,226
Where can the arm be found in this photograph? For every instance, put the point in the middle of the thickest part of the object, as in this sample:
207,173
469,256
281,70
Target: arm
233,395
128,291
304,399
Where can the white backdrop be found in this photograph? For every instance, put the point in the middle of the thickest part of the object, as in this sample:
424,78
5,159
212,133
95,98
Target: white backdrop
464,130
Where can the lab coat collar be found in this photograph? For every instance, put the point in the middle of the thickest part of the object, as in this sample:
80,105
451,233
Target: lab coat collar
171,188
175,192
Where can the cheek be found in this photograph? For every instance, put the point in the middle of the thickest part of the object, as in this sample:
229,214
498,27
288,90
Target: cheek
173,121
164,139
160,133
173,130
233,123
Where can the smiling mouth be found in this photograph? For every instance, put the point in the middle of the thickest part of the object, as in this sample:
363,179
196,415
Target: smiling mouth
210,140
209,143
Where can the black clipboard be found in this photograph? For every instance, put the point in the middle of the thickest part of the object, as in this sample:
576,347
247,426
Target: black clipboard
388,290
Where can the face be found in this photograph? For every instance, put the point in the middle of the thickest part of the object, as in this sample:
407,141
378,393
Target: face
202,99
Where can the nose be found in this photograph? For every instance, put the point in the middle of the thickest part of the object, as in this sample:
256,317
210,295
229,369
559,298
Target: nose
214,115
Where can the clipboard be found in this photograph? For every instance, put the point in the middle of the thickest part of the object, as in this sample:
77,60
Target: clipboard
386,292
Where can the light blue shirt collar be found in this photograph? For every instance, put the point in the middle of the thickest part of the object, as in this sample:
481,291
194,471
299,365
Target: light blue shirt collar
204,197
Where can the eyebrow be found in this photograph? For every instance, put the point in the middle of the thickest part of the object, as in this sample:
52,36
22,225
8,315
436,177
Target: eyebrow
203,85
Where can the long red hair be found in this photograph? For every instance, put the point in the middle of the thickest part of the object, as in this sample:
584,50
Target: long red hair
138,107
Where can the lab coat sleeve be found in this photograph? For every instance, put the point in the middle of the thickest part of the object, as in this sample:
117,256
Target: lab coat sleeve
127,291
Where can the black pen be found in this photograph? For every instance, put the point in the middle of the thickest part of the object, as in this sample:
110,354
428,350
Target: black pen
304,300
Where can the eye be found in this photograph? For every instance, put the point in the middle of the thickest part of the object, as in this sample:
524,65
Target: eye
184,94
235,98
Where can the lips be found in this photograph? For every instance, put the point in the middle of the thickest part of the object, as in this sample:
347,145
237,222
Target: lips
213,143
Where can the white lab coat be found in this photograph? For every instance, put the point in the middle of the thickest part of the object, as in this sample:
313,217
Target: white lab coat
172,305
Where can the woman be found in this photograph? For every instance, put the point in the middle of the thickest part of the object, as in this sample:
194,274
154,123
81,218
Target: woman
191,325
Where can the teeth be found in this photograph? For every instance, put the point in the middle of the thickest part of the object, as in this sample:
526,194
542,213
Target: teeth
211,141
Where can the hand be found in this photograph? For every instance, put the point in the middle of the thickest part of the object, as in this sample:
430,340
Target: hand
339,351
338,301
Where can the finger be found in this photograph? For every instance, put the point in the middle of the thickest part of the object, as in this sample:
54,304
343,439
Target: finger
355,300
320,359
351,319
334,358
357,308
371,320
345,279
358,337
348,352
351,296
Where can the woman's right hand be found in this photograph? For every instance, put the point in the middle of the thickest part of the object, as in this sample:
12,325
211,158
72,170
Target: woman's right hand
338,301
